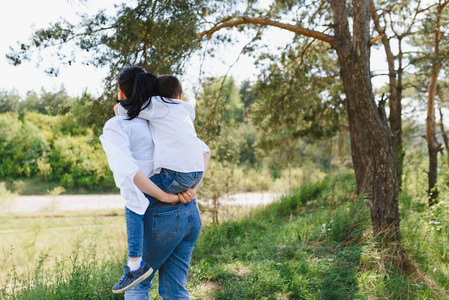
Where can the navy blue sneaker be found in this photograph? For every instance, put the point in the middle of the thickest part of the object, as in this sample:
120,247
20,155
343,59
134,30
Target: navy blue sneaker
132,278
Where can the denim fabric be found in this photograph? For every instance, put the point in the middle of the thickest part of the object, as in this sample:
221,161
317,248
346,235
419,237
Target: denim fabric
134,232
170,182
170,233
174,182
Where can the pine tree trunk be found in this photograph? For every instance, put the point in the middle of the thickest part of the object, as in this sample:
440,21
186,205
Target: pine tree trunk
395,82
372,144
445,138
432,142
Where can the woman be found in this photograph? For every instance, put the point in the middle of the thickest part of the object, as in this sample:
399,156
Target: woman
170,230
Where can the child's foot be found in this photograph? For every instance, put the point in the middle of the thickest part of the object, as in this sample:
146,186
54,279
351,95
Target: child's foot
132,278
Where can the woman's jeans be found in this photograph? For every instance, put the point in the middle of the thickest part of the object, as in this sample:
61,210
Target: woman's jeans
170,233
169,181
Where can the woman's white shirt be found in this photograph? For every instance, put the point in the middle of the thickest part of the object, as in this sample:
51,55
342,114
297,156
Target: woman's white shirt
129,146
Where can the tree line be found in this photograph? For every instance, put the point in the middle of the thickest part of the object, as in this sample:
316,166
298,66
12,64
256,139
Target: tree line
50,137
43,137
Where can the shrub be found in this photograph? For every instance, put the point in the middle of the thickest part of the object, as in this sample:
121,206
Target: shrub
21,145
76,161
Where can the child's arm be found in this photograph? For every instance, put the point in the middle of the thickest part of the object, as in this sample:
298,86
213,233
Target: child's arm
147,186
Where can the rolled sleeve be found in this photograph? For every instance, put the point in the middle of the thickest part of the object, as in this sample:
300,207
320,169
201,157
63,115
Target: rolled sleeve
123,166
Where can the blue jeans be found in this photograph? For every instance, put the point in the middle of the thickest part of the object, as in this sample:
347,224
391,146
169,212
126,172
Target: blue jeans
170,233
169,181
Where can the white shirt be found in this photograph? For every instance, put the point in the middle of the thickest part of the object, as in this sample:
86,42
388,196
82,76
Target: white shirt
129,146
176,144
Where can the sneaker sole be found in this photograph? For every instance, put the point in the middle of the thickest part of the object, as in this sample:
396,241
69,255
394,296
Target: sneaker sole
135,282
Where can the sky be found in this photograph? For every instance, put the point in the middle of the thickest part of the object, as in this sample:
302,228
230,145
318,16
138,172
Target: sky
25,16
18,21
22,17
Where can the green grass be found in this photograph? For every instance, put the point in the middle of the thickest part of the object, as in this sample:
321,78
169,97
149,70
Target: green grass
314,243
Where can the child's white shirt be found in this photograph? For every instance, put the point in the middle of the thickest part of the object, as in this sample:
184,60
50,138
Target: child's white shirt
177,146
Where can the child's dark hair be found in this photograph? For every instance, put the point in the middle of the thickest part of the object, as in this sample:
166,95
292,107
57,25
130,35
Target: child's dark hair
169,86
138,87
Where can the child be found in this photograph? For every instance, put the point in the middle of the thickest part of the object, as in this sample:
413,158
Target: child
178,158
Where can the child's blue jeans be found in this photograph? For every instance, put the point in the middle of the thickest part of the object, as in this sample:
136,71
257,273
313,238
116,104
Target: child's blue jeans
170,182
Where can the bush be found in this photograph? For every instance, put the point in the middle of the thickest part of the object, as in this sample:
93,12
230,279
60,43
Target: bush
253,180
76,161
21,145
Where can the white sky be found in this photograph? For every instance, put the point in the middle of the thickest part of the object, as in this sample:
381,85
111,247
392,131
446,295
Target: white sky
20,17
17,22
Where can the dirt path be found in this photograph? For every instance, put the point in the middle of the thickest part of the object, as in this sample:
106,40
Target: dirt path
101,202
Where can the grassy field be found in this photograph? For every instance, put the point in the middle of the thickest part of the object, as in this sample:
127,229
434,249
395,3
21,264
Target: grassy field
315,243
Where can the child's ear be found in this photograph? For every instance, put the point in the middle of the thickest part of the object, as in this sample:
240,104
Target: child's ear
180,96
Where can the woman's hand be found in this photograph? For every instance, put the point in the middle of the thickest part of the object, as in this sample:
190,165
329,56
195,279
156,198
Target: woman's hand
169,198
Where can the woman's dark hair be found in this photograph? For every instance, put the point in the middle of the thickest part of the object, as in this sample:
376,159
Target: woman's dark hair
138,87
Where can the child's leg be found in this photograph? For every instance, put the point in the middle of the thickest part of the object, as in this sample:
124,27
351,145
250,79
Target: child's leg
176,182
134,230
136,270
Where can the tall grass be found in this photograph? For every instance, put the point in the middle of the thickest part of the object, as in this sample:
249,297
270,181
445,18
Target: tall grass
61,255
315,243
74,279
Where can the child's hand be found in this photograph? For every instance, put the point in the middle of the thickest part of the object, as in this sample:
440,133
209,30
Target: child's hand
187,196
116,109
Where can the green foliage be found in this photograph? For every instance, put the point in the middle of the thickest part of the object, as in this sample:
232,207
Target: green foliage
77,278
298,95
79,162
55,148
52,103
155,34
312,244
21,144
219,106
90,113
8,101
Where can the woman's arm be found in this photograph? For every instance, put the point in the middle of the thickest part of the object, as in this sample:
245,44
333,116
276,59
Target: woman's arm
148,187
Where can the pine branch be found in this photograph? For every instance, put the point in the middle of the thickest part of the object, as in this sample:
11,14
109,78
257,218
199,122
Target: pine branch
268,22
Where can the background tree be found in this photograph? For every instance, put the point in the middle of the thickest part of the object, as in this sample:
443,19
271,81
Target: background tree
434,51
393,24
157,35
220,113
9,101
372,143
